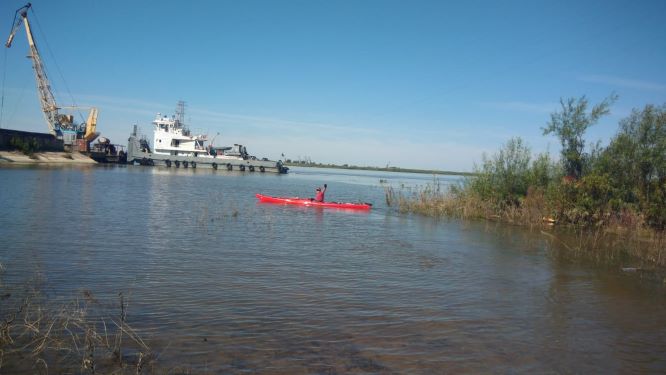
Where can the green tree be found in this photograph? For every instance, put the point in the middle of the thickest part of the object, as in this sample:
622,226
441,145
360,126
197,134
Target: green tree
636,162
646,131
569,125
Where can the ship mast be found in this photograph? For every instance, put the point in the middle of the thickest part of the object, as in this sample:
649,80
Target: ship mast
180,116
180,112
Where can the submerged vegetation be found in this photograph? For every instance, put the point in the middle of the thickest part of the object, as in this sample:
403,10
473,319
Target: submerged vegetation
618,189
84,335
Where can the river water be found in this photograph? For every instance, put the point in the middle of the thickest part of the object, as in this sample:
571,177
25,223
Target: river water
217,282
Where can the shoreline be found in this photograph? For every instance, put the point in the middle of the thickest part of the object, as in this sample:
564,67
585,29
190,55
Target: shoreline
17,157
379,169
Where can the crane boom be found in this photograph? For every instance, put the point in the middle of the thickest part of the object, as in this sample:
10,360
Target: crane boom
91,126
53,119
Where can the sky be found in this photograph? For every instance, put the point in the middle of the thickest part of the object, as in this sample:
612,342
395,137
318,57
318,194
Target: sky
411,84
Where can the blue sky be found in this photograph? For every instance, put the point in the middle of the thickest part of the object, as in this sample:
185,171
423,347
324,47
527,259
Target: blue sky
415,84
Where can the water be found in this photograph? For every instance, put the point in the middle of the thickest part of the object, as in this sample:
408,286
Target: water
217,282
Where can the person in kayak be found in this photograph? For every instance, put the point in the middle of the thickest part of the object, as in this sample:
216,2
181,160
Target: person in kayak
319,194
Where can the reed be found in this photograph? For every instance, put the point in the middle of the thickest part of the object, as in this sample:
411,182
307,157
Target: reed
643,251
607,237
433,200
80,336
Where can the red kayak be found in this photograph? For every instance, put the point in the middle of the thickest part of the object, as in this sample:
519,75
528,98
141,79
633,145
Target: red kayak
312,203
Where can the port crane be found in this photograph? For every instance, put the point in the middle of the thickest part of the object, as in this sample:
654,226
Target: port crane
62,126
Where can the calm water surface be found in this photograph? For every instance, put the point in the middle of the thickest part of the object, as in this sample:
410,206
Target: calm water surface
218,282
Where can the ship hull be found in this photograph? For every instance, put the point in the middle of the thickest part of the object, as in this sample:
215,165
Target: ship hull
137,155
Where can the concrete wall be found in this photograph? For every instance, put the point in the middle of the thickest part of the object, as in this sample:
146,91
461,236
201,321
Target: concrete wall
11,140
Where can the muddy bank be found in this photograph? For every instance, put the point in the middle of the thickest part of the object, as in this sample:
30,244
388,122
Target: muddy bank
17,157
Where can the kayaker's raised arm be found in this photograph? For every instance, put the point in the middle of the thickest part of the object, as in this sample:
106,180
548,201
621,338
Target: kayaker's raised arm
319,194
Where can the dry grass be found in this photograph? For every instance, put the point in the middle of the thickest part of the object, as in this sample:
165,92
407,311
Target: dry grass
432,201
79,337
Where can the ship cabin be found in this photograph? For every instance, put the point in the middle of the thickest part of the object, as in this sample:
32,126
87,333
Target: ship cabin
172,138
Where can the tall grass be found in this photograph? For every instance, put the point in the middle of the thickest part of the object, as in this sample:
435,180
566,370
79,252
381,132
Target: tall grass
82,336
459,202
633,251
606,236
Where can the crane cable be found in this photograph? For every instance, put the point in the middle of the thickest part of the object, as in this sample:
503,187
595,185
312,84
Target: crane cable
4,75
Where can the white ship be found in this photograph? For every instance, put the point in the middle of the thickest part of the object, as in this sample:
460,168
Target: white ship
175,146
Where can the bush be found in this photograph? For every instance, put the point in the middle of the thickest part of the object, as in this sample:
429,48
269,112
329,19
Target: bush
28,147
504,179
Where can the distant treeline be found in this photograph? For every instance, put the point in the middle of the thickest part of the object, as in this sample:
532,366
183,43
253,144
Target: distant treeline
622,185
303,163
